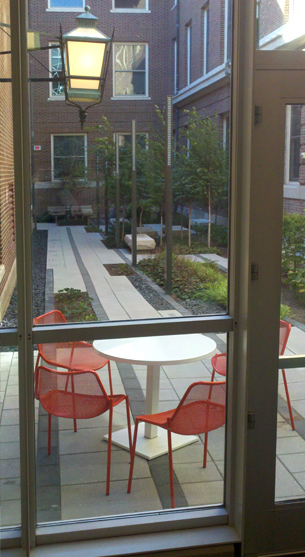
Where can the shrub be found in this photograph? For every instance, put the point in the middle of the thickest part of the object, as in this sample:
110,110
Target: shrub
293,241
219,233
110,242
284,312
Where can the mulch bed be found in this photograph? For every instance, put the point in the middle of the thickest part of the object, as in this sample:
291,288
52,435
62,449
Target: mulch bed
120,269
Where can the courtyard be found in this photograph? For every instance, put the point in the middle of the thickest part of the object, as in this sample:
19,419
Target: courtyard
71,481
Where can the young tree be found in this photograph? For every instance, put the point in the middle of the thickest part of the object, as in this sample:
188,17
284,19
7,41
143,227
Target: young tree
103,152
205,163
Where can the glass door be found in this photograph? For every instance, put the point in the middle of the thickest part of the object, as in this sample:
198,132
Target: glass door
275,451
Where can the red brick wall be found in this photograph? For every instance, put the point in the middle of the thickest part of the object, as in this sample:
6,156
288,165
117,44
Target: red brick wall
7,209
51,117
272,16
294,205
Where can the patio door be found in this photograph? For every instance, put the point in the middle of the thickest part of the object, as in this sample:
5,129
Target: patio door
275,498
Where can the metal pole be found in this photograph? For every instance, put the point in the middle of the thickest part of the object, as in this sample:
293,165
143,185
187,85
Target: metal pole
97,192
106,205
133,193
117,192
168,194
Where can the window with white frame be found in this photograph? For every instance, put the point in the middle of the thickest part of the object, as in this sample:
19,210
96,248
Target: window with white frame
205,30
228,30
68,5
130,70
56,87
130,5
189,53
293,135
69,155
141,138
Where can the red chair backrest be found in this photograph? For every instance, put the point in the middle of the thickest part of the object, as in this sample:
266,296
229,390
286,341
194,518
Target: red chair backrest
201,409
50,318
285,329
72,394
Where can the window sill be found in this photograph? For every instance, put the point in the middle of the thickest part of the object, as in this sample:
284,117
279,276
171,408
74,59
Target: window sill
64,9
131,98
56,98
122,11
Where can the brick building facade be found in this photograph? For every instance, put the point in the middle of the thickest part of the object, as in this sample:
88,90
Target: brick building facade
141,38
7,205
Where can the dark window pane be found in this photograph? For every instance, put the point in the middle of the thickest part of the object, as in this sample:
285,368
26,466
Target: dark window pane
130,4
295,132
69,146
130,83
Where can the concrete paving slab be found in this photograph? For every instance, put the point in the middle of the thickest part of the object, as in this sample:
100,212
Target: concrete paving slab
90,500
10,513
207,493
194,473
296,342
10,489
9,450
290,445
285,484
293,462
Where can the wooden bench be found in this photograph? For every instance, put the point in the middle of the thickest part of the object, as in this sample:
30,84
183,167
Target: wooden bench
57,211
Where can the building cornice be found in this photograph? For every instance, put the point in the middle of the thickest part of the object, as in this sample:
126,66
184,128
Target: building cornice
214,79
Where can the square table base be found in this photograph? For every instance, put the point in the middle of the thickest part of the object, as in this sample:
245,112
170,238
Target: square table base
151,448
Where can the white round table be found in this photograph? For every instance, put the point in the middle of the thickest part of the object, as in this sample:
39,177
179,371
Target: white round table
154,352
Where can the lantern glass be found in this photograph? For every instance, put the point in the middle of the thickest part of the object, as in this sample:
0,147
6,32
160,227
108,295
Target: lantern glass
85,59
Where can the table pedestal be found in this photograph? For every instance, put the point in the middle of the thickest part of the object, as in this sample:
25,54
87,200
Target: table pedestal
151,448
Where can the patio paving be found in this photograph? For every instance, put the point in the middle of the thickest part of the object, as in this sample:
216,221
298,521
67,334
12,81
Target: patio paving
71,482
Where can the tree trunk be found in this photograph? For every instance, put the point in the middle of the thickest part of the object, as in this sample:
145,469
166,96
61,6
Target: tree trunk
190,217
123,222
161,231
209,204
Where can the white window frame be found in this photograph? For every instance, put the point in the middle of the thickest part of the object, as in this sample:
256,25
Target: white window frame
205,29
52,150
59,9
145,10
175,67
227,6
129,133
51,96
189,53
132,97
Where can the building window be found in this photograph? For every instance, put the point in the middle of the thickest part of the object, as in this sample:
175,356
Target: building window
130,5
56,87
295,135
141,139
188,53
131,74
226,131
69,156
206,32
175,67
228,29
69,5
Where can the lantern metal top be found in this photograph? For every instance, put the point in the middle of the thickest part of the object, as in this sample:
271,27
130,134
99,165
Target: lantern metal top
87,19
86,29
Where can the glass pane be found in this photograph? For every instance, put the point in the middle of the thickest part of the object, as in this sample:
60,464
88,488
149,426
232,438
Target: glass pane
130,57
130,4
71,480
291,396
56,69
9,438
66,4
279,24
130,83
8,291
87,266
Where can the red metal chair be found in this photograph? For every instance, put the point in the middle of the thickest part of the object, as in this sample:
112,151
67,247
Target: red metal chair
78,395
219,363
78,355
201,409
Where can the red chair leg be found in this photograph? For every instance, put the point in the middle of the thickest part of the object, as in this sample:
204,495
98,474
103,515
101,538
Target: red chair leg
128,423
110,378
132,455
205,450
288,399
213,375
36,377
49,434
109,450
171,468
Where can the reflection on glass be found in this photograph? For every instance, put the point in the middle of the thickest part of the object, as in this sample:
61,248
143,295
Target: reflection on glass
9,439
71,480
290,467
279,24
8,294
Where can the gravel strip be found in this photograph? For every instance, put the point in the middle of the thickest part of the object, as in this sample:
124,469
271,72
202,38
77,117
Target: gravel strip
39,255
156,301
